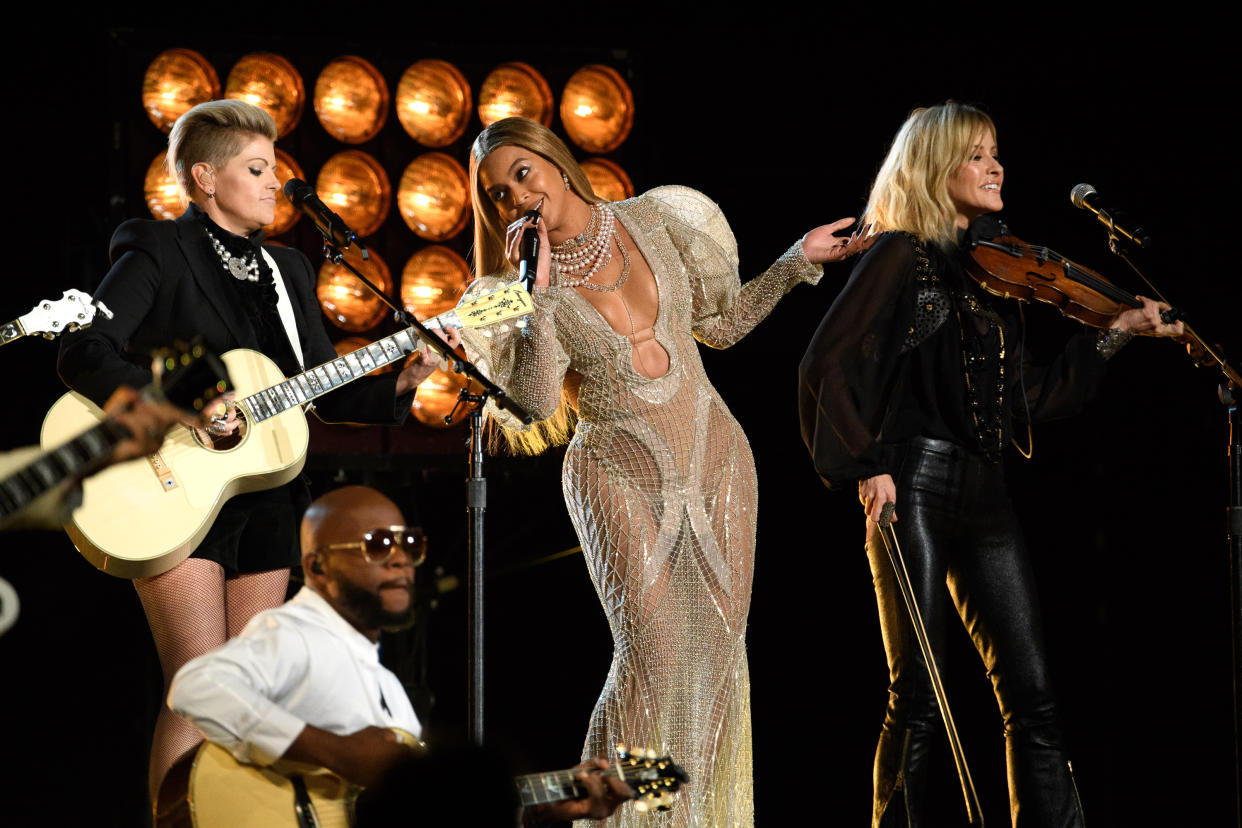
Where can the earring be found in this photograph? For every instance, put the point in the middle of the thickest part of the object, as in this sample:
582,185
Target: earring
565,178
211,195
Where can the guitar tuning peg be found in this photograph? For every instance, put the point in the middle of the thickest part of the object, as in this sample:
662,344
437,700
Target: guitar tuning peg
651,754
622,751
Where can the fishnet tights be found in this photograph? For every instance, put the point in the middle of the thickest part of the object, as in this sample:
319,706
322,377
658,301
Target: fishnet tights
194,608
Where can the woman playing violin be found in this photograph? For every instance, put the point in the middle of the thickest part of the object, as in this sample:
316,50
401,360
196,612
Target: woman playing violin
910,391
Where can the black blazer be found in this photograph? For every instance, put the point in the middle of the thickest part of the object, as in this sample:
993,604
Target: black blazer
166,284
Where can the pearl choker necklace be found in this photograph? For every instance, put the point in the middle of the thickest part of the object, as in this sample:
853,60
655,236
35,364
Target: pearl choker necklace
590,251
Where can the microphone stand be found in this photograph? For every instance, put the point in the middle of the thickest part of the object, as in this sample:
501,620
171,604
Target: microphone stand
1228,392
476,484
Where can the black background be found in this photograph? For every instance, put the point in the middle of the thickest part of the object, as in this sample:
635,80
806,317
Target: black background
783,120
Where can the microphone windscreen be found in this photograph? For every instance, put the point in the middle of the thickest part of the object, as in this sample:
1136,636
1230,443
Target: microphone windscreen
1080,194
296,190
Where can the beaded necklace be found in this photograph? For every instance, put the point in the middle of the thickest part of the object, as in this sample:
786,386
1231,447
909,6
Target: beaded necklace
575,261
245,269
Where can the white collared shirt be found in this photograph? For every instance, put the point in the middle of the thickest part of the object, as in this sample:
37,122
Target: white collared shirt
295,665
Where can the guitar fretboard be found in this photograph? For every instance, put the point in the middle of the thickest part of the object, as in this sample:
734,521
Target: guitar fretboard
538,788
75,457
306,386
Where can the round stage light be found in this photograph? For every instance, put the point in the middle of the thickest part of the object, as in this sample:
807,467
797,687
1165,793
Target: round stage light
286,214
355,186
433,102
597,108
607,179
160,190
271,83
436,397
515,89
434,196
433,280
177,80
352,343
351,99
346,300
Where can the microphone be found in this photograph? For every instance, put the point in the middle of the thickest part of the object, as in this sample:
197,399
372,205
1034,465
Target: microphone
332,226
1084,194
530,252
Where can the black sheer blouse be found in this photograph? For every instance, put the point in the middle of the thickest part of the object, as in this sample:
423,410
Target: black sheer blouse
911,348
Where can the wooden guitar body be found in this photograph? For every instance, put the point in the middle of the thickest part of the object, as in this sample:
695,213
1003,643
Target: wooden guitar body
143,517
225,793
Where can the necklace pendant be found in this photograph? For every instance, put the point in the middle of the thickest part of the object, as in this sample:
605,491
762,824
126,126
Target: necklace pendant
238,268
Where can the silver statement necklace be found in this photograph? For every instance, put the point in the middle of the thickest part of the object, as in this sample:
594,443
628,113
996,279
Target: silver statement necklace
243,269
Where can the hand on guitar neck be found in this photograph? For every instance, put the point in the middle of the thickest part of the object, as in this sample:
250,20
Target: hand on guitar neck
604,792
424,362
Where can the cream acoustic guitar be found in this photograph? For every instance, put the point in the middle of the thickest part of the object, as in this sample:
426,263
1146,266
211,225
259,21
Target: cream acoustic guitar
189,377
145,516
225,793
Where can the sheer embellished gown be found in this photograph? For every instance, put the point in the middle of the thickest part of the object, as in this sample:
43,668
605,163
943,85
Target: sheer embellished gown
660,485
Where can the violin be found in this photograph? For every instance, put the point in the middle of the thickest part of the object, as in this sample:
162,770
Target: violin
1008,267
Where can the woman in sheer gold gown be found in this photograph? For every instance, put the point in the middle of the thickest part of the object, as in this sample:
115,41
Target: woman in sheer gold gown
658,478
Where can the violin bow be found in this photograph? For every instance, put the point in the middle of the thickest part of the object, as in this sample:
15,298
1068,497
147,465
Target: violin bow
974,814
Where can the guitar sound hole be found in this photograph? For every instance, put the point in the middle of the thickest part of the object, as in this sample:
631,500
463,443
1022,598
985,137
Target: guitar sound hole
226,441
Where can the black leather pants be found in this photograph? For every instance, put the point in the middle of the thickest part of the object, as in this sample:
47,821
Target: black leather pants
956,525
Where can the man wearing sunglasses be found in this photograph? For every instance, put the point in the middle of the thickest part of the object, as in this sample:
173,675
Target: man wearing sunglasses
303,682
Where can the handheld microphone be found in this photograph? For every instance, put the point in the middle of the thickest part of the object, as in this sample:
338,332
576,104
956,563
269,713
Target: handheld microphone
332,226
1082,197
529,264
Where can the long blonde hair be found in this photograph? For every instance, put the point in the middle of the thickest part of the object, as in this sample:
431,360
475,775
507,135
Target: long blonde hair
911,191
489,250
489,229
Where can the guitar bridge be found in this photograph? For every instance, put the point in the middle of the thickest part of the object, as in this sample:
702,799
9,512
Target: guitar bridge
168,481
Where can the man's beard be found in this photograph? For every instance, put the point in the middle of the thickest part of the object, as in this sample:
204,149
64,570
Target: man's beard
369,608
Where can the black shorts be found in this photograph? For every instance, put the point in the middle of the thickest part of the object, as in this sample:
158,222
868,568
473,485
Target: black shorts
257,531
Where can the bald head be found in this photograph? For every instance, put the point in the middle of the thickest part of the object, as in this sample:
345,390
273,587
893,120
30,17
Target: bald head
343,515
370,596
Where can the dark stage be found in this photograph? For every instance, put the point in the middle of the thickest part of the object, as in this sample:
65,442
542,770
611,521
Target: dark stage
1123,504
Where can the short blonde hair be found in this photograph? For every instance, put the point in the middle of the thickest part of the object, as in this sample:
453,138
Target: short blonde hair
911,191
213,132
489,229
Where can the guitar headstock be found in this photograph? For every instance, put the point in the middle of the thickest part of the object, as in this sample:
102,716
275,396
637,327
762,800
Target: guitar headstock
494,306
70,312
654,778
189,376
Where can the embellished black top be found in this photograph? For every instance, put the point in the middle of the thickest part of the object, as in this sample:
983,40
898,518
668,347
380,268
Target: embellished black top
256,295
911,347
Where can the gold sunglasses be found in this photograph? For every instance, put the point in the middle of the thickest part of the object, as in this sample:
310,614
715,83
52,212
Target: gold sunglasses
379,545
